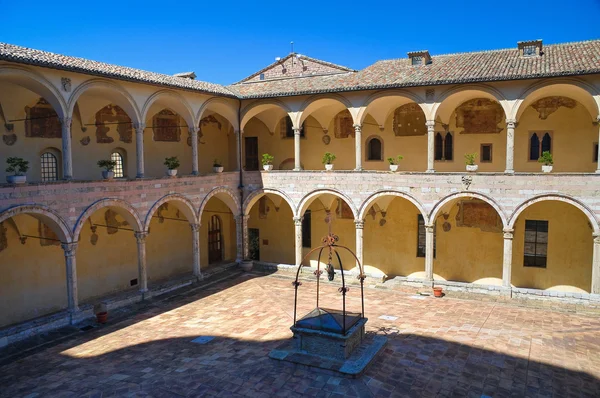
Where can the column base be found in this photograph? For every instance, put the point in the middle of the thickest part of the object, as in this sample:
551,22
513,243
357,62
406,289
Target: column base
195,173
140,176
295,169
358,169
509,172
598,171
430,171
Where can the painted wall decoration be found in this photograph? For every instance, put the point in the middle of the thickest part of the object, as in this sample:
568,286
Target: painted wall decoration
105,123
409,120
166,126
85,140
478,214
479,116
548,105
9,139
48,236
263,208
42,121
343,210
343,125
110,217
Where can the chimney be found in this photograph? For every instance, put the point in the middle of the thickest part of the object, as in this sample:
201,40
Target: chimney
531,48
186,75
419,57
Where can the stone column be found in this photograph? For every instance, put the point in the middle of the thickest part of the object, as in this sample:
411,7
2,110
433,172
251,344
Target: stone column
194,136
71,267
297,163
67,155
139,148
359,240
196,251
598,125
429,252
596,265
241,232
142,271
430,145
298,230
238,148
507,258
358,146
510,145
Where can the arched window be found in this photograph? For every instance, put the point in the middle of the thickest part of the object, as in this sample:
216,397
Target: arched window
448,147
546,143
374,149
534,147
439,147
49,166
119,169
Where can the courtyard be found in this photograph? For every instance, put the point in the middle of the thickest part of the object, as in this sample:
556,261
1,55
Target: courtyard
436,347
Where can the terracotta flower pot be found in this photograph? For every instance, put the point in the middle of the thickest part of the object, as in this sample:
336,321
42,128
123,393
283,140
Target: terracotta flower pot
437,292
102,317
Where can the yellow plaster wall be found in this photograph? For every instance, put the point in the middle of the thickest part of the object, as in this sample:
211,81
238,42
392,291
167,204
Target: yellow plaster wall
570,245
216,206
277,230
33,281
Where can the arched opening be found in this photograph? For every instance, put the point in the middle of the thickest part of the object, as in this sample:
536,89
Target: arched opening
271,229
32,264
374,149
468,243
119,157
552,248
218,240
393,237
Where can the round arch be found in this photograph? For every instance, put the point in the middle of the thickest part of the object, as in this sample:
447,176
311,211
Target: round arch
110,90
474,195
576,89
221,107
182,203
122,208
316,101
175,101
454,97
390,100
49,217
373,198
311,196
226,196
38,84
555,197
255,108
256,195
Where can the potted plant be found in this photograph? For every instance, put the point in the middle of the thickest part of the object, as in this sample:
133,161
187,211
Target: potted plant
217,166
267,161
108,166
470,161
437,291
172,164
394,162
546,161
101,311
19,167
328,159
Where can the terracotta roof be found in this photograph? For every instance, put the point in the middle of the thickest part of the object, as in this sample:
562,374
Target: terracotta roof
10,52
565,59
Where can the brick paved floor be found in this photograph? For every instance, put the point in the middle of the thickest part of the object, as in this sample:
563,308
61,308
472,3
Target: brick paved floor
437,347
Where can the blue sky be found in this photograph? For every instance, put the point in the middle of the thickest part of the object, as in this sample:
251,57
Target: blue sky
224,41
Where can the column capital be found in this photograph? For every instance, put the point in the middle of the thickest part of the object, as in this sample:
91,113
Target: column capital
69,248
193,131
297,130
430,124
241,217
238,132
598,119
139,127
359,224
508,233
596,236
298,221
511,123
66,121
357,127
195,227
140,236
429,228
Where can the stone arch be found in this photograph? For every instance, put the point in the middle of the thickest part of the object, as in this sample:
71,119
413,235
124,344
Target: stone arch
397,97
112,91
255,108
556,197
579,90
48,216
221,107
123,208
256,195
224,194
311,196
367,203
181,202
175,101
36,83
313,102
465,194
454,97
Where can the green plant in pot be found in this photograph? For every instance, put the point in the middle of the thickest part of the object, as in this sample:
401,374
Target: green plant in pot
394,162
267,161
108,166
172,164
17,166
547,161
328,160
217,166
470,161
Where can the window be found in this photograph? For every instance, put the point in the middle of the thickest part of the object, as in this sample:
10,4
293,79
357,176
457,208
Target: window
448,147
306,229
374,149
439,147
444,146
595,152
538,145
529,51
421,237
49,168
486,153
262,76
536,243
417,60
119,168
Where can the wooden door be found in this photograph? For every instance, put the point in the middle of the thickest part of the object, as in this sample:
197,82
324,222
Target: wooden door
251,151
215,240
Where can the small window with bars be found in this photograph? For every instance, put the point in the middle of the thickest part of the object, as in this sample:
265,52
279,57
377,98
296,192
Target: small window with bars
119,166
486,153
536,243
49,167
417,60
421,237
529,51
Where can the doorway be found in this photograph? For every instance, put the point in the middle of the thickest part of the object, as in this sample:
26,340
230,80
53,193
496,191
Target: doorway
251,148
215,240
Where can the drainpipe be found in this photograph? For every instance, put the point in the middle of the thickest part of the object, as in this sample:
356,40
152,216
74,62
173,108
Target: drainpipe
241,183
